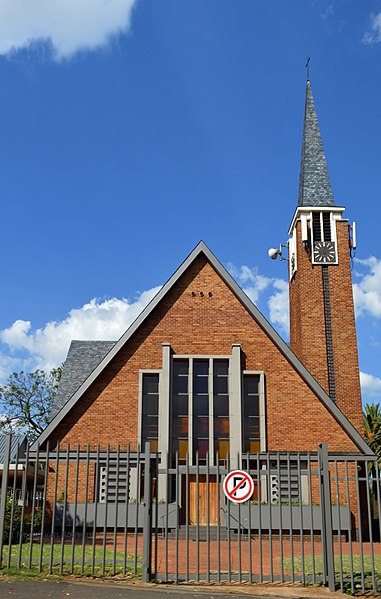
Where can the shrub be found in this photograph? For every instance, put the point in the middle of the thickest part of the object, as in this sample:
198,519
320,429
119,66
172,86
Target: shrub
13,512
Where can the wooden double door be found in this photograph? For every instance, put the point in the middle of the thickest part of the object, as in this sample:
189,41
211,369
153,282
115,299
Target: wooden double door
204,500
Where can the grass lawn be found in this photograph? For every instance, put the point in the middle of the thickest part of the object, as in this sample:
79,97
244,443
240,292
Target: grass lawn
92,566
345,565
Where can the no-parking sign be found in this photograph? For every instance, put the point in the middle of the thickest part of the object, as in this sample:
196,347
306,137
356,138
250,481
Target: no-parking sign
238,486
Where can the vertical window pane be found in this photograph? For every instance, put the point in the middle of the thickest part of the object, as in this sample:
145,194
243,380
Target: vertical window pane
200,405
180,376
150,409
154,445
150,383
250,414
183,448
254,446
201,367
221,407
200,377
203,448
179,409
201,408
223,449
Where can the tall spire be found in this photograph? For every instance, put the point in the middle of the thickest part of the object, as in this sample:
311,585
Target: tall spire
314,184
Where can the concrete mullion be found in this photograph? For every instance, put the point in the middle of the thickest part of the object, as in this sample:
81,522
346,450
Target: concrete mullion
235,406
211,411
190,411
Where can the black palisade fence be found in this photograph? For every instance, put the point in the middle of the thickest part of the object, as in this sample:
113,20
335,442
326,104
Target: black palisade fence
311,518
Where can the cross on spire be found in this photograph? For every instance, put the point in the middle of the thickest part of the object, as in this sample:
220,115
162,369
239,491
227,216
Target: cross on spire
308,68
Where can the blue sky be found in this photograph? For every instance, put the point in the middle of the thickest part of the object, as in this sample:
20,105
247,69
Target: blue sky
130,130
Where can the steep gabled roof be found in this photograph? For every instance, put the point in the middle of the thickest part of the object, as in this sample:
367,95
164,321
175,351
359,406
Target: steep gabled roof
82,358
202,249
314,184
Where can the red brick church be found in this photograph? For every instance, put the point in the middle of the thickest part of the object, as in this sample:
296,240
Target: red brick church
202,371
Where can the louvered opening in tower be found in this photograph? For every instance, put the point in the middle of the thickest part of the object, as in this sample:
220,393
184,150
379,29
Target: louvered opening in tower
327,226
316,226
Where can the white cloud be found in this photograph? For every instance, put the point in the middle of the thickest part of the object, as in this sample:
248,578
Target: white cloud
327,12
370,385
47,347
373,36
10,364
279,306
28,348
367,292
254,285
67,26
108,319
252,282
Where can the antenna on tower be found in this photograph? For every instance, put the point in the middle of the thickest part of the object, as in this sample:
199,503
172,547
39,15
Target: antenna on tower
308,68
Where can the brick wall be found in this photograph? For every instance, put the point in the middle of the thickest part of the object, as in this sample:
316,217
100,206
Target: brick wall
307,324
108,411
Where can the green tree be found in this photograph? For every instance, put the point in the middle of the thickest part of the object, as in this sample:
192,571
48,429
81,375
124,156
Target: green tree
26,401
372,428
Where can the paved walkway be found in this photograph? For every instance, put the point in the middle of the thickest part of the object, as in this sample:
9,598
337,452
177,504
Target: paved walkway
245,557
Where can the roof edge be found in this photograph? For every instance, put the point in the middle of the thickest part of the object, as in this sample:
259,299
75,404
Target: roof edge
202,248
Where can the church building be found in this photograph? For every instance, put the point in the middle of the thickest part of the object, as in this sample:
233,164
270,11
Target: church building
202,372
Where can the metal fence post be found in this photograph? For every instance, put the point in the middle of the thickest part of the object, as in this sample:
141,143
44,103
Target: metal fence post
147,530
326,517
4,489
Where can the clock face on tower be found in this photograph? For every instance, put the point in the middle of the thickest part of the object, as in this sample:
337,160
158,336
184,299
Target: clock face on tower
324,252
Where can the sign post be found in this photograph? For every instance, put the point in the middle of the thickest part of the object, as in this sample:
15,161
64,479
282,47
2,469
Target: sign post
238,486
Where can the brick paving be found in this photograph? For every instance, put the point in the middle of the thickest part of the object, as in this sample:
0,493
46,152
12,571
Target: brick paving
213,556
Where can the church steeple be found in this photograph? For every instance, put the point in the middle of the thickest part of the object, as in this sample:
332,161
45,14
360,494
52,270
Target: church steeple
322,325
314,184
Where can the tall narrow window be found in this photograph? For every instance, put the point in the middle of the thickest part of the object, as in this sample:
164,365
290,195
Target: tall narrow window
221,407
150,407
180,390
250,414
201,408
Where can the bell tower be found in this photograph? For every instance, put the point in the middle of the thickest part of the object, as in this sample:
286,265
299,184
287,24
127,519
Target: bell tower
322,323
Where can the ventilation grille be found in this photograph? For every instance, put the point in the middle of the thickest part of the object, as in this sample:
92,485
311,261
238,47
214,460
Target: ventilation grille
113,483
285,488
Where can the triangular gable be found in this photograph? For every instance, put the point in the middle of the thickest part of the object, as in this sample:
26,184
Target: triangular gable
282,346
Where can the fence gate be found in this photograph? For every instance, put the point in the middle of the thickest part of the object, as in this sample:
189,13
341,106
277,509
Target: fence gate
312,517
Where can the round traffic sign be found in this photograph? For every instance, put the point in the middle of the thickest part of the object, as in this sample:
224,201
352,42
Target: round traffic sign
238,486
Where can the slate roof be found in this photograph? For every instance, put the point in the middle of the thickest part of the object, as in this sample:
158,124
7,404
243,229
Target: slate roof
17,442
202,249
82,358
314,184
